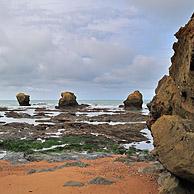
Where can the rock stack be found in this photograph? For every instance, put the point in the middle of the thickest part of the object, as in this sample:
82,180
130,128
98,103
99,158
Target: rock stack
134,101
68,99
172,114
23,99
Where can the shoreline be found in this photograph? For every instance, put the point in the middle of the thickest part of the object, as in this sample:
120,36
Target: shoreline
36,154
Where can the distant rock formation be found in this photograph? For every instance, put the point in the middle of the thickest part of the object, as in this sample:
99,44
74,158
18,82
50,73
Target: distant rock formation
172,111
23,99
134,101
68,99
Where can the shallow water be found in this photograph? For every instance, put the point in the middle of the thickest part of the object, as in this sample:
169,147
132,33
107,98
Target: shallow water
142,145
31,121
52,103
93,114
2,154
111,123
51,148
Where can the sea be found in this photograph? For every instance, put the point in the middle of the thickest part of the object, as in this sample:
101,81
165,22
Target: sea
53,103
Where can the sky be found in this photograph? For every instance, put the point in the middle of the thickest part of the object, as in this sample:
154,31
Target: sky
101,49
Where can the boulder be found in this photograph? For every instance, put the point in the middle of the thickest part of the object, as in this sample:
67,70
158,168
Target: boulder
174,142
68,99
23,99
134,101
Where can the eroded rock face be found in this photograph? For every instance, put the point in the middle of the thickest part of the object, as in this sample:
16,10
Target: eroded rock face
23,99
134,101
68,99
172,109
175,93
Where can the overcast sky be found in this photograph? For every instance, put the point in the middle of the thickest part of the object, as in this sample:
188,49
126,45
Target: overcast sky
99,49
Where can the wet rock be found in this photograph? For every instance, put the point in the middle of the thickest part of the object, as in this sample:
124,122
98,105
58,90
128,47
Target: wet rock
15,158
66,156
1,122
17,125
2,109
121,106
101,181
13,114
41,114
23,99
32,171
76,164
121,127
134,101
128,132
127,116
120,133
64,117
68,99
73,184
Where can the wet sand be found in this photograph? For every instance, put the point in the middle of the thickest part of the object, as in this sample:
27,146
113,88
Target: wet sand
15,179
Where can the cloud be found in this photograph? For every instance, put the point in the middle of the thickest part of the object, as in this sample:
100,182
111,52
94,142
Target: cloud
102,47
139,74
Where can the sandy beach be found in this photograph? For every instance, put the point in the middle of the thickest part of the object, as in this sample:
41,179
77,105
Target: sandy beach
16,179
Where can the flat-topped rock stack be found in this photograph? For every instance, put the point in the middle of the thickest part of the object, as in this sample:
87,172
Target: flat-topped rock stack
134,101
68,99
172,113
23,99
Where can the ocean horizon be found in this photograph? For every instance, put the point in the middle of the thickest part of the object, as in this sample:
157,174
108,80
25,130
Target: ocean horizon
104,103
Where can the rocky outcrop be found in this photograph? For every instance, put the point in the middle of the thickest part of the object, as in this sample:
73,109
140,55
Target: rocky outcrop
134,101
23,99
68,99
13,114
172,110
175,93
163,102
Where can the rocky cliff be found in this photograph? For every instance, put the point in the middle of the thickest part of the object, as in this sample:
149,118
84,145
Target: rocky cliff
172,111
